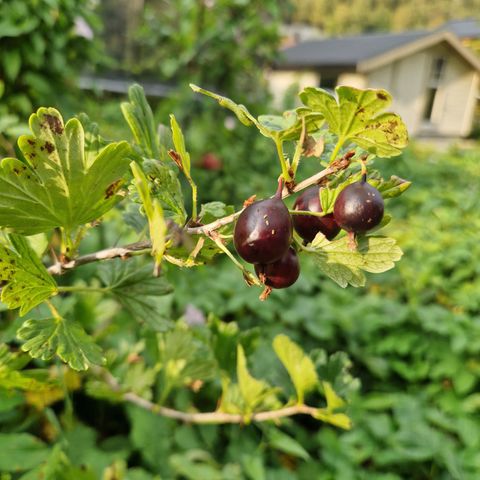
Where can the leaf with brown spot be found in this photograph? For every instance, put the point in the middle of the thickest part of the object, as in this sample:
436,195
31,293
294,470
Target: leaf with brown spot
355,115
57,186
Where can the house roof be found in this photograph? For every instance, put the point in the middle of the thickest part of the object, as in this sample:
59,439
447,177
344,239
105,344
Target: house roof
466,28
366,52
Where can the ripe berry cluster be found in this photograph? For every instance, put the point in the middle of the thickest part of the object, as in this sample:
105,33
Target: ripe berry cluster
263,232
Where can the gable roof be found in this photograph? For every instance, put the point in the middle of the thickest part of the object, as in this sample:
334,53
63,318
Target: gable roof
366,52
344,51
466,28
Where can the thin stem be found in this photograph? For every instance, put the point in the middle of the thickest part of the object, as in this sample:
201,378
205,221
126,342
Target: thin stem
283,163
248,276
306,212
67,246
127,251
194,197
337,148
82,288
298,150
54,311
204,417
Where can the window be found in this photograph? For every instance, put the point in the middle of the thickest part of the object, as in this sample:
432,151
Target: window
329,82
435,79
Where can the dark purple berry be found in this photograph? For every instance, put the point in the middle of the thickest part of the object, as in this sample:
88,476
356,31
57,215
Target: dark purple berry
359,207
280,274
308,226
263,231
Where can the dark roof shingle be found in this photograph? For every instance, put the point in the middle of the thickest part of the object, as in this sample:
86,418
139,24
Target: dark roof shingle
346,51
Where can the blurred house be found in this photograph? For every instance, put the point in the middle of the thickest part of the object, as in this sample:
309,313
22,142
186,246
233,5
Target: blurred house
432,75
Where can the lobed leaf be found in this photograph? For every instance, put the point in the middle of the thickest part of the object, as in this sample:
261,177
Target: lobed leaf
298,365
329,414
344,265
49,336
355,115
26,281
138,291
57,186
139,117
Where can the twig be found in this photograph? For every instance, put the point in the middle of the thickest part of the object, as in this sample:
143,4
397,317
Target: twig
123,252
142,247
204,417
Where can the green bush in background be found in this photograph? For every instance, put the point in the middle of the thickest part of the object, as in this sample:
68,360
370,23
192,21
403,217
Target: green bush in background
42,50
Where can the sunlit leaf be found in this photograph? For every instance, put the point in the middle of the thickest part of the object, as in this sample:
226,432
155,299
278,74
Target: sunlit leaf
345,265
356,115
179,144
154,212
26,281
57,186
298,365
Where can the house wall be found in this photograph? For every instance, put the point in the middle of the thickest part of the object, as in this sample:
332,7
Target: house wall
281,80
352,79
409,79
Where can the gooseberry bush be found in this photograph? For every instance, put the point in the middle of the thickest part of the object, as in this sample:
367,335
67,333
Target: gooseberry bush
69,180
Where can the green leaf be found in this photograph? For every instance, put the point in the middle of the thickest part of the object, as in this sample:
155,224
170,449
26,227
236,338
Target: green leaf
184,358
166,187
21,451
253,391
139,117
138,291
53,467
355,116
298,365
283,442
393,187
214,210
289,125
179,144
154,213
344,265
239,110
12,378
328,414
12,62
56,187
26,281
329,195
49,336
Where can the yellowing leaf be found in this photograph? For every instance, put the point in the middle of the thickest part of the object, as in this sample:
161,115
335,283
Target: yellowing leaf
299,365
154,213
328,414
26,281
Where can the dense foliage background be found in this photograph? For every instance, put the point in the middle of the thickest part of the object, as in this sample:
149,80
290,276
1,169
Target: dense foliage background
411,338
356,16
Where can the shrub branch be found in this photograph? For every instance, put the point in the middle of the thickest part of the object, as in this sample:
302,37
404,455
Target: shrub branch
142,247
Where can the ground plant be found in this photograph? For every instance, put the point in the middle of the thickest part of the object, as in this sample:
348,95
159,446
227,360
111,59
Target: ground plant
91,330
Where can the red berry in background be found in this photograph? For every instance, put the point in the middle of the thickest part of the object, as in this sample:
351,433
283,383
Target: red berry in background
263,231
307,226
280,274
359,207
210,161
